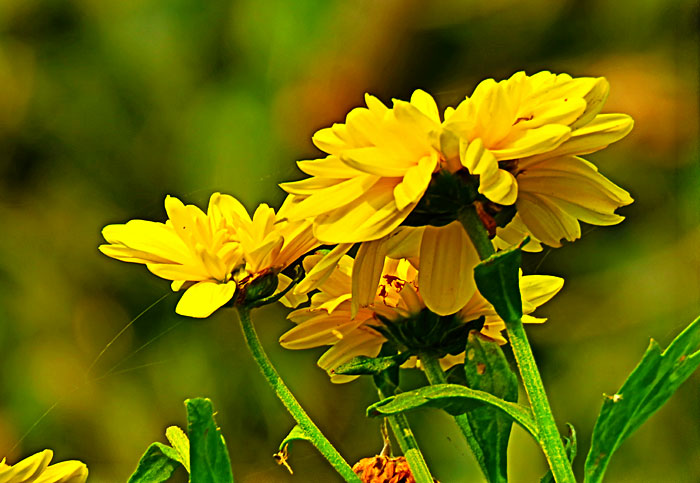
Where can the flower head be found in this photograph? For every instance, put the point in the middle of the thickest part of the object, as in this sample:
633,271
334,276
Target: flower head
329,319
210,254
36,469
522,137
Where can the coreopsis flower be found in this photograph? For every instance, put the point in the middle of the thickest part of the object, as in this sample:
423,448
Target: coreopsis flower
379,165
36,469
329,319
522,137
210,255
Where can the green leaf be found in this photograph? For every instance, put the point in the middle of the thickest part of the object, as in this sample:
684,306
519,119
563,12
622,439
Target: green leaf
498,280
296,434
571,447
209,458
156,465
647,388
487,370
180,443
371,366
453,399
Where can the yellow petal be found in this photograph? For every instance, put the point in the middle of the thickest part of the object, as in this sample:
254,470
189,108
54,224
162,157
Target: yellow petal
415,182
366,272
27,470
333,197
359,343
538,289
64,472
404,242
513,234
534,141
322,269
147,241
203,298
377,161
447,260
328,167
546,221
370,217
595,98
425,104
324,329
290,299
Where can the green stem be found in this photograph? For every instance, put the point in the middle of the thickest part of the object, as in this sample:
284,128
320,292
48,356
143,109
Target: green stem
284,394
435,375
550,439
409,446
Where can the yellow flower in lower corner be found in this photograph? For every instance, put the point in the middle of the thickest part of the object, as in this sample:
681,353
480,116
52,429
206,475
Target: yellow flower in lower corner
329,319
36,469
210,254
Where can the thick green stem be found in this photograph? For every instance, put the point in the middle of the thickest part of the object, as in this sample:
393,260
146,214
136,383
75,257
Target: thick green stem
284,394
435,375
409,446
550,439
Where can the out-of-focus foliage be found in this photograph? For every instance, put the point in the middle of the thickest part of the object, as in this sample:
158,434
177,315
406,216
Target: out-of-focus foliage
106,106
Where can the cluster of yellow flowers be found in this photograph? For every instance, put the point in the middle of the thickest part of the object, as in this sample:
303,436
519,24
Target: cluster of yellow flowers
518,141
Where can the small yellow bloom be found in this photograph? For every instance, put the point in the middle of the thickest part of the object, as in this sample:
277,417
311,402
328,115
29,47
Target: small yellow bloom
36,469
523,136
329,319
210,254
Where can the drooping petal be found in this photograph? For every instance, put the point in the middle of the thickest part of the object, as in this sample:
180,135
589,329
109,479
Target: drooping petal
533,141
324,329
322,269
415,182
447,260
203,298
64,472
546,221
28,469
333,197
364,342
366,273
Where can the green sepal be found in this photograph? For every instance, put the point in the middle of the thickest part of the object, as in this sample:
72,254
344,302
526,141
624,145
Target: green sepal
570,446
370,366
258,289
498,280
455,400
446,195
156,465
647,388
209,460
487,369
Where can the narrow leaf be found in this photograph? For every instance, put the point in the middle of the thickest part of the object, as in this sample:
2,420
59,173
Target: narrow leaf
156,465
497,279
647,388
487,370
455,400
370,366
209,458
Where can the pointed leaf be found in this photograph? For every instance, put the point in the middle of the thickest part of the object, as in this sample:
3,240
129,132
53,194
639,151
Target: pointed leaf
488,370
370,366
648,387
497,279
209,458
296,434
180,443
453,399
156,465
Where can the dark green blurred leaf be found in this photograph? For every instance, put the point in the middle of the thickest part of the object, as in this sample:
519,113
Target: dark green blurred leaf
487,370
453,399
648,387
209,460
571,447
371,366
156,465
498,280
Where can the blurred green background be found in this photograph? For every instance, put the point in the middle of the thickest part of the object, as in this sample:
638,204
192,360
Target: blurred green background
107,106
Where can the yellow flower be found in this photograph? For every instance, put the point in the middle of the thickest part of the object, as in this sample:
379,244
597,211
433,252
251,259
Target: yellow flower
36,469
523,135
329,319
210,254
379,165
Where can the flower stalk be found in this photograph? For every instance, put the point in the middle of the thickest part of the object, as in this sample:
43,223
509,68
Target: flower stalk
550,439
283,393
409,446
435,375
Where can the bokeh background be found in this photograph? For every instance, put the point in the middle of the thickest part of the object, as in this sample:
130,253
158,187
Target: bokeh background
107,106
